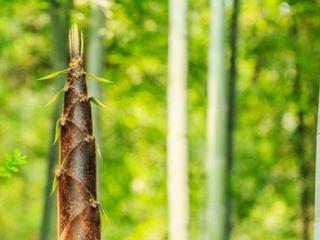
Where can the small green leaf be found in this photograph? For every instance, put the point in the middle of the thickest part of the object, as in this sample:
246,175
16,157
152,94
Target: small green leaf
100,79
98,150
54,98
81,43
103,213
53,75
98,103
54,185
57,131
12,164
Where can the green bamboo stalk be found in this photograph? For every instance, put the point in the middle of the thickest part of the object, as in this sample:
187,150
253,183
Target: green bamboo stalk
299,139
231,114
96,53
317,188
216,125
301,153
60,15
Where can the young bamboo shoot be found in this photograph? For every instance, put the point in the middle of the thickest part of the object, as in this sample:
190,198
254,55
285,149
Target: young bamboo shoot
78,209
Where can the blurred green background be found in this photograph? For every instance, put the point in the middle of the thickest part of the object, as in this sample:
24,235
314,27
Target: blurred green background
277,91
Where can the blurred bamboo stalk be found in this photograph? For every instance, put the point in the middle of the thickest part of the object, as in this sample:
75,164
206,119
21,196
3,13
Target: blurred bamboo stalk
300,149
177,144
60,18
300,137
95,61
216,125
231,114
317,188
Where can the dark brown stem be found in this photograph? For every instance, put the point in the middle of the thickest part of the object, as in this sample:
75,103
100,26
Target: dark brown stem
78,209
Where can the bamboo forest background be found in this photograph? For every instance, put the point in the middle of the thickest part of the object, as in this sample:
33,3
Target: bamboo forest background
278,57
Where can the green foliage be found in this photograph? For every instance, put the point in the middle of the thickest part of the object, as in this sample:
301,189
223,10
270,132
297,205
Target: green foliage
12,164
266,177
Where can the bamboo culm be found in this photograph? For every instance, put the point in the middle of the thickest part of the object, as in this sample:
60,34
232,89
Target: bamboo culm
317,189
231,113
216,126
177,144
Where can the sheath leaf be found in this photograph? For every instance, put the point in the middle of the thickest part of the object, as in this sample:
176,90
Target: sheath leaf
53,75
99,79
98,103
54,98
54,185
103,213
57,131
98,150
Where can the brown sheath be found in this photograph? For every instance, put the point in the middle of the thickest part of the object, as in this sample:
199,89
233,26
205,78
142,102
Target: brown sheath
78,209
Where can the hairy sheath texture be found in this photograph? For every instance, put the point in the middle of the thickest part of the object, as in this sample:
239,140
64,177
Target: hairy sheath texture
78,209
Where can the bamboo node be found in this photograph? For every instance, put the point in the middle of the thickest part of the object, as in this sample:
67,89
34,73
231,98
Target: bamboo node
94,203
66,87
59,171
78,73
63,120
89,138
84,98
75,62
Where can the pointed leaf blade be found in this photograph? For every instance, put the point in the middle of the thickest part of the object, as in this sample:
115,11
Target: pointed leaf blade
98,150
54,185
81,43
54,98
99,79
53,75
103,213
57,131
98,103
